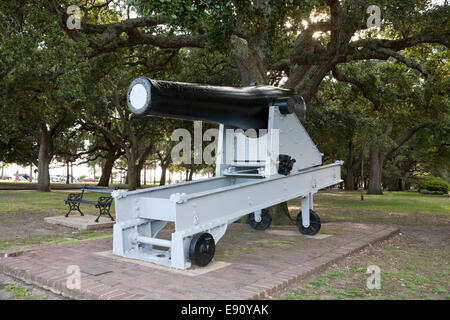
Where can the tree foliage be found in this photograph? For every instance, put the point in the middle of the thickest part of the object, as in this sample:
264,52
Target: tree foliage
377,97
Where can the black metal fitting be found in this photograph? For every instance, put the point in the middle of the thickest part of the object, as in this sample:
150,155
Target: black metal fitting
285,164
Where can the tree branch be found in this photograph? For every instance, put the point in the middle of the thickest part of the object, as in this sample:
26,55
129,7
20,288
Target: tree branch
408,62
58,125
336,24
399,44
364,90
402,139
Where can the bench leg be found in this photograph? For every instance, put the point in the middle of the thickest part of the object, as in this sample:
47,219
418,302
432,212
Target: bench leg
72,207
105,211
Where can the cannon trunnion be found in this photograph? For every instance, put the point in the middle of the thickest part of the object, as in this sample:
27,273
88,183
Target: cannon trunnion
253,172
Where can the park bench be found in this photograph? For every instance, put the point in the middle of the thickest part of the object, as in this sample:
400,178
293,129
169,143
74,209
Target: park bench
103,203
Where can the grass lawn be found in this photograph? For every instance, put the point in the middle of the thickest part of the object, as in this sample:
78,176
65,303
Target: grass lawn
406,273
38,239
402,208
22,218
413,265
17,292
26,185
50,203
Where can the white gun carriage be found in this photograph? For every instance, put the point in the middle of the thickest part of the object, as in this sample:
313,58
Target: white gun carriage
253,172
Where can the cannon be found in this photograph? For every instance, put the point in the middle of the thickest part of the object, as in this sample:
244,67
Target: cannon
272,161
243,108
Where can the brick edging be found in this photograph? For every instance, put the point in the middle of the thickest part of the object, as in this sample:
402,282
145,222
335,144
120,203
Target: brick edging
24,277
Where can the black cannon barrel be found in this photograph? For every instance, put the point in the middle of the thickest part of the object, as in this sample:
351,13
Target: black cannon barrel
245,107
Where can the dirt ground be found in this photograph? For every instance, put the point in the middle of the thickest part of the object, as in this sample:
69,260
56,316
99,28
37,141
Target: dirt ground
16,225
24,224
427,236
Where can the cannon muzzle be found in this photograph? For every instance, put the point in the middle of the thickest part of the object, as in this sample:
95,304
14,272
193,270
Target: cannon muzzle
244,108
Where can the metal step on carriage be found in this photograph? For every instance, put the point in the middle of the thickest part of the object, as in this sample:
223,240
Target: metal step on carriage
272,161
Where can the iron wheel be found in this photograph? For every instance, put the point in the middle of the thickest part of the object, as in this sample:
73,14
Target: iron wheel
201,249
266,220
314,223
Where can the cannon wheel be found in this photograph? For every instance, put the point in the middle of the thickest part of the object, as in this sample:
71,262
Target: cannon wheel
314,223
266,220
201,249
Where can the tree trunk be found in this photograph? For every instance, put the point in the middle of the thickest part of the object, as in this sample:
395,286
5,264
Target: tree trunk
68,172
107,169
280,214
3,171
249,60
141,164
377,160
43,184
145,174
350,177
162,179
138,175
131,177
132,172
31,172
402,184
376,167
398,185
191,174
403,180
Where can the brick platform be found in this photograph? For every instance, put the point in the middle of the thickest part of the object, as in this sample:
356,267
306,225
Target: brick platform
248,264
